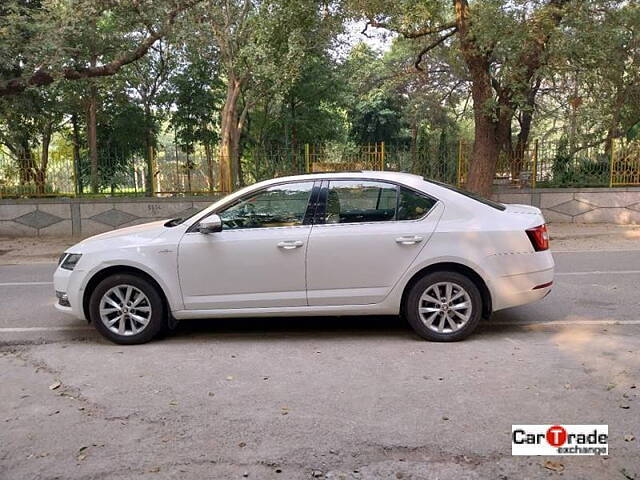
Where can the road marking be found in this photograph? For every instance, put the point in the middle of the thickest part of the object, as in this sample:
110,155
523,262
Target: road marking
567,322
554,252
599,272
43,329
489,323
23,284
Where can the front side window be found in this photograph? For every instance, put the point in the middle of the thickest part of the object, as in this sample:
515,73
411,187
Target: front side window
356,201
277,206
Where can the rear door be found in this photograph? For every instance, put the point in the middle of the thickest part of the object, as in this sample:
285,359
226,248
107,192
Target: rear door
365,236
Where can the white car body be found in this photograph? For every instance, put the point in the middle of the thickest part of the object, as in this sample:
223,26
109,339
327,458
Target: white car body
339,269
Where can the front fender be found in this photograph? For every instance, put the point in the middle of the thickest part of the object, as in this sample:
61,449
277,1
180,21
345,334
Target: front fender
166,280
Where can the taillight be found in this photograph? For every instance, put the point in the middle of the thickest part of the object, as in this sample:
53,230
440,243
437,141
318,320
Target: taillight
539,238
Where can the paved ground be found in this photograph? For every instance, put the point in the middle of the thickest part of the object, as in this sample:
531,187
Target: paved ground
337,397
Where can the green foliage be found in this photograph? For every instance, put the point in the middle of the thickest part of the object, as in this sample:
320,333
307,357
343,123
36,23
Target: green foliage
197,93
122,127
298,83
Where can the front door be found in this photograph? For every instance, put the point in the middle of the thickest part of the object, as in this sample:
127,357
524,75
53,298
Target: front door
257,260
367,237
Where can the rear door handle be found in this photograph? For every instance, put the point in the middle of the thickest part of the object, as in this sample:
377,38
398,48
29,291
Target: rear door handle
409,240
290,244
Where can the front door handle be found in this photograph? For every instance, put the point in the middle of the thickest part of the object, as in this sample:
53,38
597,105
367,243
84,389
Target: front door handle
409,240
290,244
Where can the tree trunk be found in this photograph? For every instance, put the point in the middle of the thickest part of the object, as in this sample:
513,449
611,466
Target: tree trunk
40,173
414,145
486,144
25,161
518,153
230,138
210,175
149,144
78,187
485,151
92,137
614,126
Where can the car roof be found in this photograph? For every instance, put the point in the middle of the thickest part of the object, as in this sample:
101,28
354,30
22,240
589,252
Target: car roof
402,177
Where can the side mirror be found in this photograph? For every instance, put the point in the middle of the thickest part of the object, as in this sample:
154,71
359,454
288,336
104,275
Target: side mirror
211,224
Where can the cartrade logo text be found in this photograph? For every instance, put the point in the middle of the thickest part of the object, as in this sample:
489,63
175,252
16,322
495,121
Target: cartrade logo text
559,439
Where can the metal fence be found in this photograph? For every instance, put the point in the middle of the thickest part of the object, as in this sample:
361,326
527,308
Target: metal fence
175,171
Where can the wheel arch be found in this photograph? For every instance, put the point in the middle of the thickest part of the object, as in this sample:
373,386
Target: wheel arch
450,266
101,274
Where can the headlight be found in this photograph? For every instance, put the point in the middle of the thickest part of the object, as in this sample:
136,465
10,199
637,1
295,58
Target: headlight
69,260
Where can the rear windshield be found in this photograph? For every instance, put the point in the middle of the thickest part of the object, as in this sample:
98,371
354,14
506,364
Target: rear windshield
473,196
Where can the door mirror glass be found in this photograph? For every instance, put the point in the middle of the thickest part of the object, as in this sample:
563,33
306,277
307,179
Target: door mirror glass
211,224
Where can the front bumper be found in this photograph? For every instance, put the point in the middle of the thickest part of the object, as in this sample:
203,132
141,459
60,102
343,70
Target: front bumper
69,282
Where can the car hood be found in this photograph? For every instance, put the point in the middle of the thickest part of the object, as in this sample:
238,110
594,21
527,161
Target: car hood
137,234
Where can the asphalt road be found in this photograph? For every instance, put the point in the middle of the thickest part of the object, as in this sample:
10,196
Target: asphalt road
350,397
589,286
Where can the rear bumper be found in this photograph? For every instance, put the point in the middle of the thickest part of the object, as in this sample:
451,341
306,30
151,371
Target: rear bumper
521,289
521,280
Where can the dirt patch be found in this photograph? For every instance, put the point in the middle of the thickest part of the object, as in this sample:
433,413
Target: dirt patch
598,237
22,250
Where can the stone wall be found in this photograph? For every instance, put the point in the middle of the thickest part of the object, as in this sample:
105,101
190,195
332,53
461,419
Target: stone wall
83,217
580,205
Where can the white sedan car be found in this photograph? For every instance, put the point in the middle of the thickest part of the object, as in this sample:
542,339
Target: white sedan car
363,243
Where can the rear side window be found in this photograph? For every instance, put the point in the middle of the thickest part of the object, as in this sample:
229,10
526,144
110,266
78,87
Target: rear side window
356,201
413,205
473,196
359,201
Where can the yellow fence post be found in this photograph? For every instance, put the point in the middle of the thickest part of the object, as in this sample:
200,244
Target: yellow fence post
534,174
307,163
612,163
459,176
381,155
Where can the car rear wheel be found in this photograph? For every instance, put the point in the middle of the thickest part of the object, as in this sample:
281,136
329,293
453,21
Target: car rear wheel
127,309
444,306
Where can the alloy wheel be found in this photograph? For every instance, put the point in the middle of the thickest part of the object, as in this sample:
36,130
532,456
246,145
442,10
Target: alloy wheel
445,307
125,310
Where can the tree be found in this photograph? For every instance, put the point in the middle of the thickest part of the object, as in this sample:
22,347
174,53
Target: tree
47,56
262,46
503,48
122,131
148,78
197,94
27,125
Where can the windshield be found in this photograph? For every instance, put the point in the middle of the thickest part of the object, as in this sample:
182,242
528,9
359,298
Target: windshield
473,196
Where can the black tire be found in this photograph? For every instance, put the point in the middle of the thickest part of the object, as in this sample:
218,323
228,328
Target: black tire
435,280
157,319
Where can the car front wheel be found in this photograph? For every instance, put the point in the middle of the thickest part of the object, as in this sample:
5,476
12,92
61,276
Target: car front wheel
444,306
127,309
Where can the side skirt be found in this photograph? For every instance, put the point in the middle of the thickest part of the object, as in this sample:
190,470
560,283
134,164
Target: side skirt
324,310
